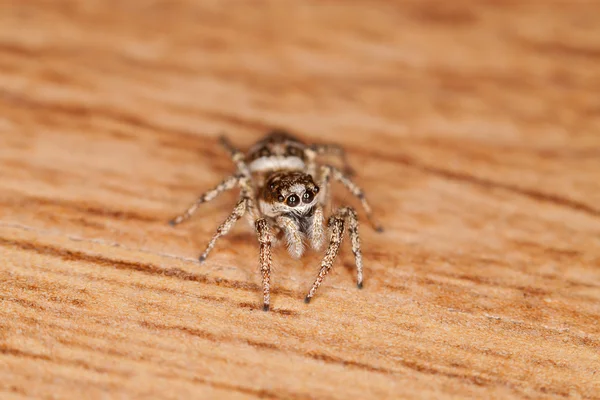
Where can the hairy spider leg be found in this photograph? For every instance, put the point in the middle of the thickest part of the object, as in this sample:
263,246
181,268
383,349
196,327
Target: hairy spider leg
227,184
352,220
238,212
337,224
329,149
244,205
236,155
264,238
328,171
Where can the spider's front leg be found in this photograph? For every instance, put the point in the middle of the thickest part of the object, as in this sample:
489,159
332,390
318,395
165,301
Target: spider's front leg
337,224
264,238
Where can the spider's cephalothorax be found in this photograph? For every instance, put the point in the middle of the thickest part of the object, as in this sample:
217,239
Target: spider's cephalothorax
283,192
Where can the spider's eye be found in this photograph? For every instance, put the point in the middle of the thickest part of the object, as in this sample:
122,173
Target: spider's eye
293,200
307,197
272,186
280,199
316,189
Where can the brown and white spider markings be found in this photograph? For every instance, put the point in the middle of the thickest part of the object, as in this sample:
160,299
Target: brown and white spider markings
282,199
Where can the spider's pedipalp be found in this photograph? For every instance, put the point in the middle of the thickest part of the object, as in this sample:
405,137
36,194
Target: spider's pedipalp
316,232
293,235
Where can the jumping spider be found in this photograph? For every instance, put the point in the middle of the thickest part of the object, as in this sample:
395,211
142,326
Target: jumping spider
283,201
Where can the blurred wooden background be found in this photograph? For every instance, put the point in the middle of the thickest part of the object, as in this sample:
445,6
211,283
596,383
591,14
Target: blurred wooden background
475,129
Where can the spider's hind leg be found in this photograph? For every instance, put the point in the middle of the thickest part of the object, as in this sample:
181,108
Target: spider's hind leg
329,149
236,155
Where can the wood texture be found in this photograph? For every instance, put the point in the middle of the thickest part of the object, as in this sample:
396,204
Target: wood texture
475,131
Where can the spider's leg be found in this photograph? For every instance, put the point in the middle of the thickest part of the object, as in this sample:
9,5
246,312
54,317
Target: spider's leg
324,183
317,231
264,238
352,221
223,229
236,155
227,184
293,235
355,190
336,224
329,149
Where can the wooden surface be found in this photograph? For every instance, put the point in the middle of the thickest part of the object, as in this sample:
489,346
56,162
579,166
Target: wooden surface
475,131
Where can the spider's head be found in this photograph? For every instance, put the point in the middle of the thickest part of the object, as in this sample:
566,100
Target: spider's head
288,192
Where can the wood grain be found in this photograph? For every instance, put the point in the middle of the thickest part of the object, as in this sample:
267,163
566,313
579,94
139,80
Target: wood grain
474,127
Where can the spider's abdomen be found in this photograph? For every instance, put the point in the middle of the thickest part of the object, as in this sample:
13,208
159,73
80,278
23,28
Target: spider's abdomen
272,163
277,151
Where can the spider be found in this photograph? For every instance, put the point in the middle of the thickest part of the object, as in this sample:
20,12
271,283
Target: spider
283,192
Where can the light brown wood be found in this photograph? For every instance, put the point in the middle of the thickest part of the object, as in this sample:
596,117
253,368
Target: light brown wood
474,128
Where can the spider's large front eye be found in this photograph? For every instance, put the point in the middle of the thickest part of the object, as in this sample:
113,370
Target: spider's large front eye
293,200
307,197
